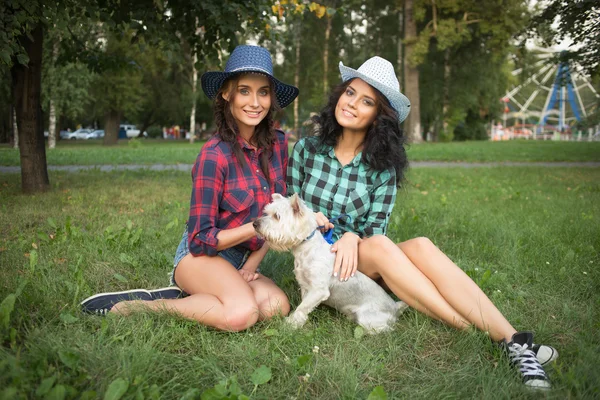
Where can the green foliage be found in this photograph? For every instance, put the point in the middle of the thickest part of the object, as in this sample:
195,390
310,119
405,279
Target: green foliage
576,20
69,87
18,17
155,131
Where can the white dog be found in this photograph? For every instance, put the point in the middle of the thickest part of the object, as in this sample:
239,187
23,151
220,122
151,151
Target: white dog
288,224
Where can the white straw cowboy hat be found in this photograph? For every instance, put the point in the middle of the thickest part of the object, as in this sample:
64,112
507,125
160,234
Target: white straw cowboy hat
248,59
379,73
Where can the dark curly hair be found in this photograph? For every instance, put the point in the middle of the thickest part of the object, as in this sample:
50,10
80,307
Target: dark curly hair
384,142
227,129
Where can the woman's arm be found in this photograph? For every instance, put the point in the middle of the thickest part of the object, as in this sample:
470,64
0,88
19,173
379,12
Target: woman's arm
208,180
231,237
248,271
295,178
382,204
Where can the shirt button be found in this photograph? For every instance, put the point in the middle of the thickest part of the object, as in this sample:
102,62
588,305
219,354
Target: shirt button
256,170
264,188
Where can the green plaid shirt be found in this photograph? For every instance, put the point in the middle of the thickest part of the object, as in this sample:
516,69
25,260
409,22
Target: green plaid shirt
326,185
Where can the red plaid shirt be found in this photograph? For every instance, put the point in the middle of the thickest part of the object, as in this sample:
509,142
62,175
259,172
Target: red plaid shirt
226,196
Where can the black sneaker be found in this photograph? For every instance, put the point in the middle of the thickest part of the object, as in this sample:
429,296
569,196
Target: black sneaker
102,303
167,293
545,354
521,355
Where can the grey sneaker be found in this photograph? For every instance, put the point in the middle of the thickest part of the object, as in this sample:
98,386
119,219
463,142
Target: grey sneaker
521,355
102,303
545,354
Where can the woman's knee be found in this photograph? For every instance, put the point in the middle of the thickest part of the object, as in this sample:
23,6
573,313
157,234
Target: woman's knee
419,244
373,255
240,317
378,244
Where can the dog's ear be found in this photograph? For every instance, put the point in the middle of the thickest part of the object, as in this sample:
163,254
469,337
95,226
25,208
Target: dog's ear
276,196
295,203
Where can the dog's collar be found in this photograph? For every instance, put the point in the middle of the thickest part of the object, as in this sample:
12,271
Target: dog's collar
311,235
328,236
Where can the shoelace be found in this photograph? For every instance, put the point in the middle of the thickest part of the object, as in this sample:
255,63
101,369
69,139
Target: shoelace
523,357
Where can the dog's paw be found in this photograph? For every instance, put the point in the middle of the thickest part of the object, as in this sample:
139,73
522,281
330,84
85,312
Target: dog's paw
296,320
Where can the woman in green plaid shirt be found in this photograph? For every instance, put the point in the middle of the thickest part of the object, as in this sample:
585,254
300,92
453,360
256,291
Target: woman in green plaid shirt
353,167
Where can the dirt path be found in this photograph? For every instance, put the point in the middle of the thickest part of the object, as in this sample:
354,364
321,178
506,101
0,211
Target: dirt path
414,164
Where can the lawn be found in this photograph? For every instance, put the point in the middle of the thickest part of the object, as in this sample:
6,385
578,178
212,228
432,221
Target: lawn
170,152
530,238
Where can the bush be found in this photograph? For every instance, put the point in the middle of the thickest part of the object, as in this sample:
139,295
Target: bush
471,130
155,131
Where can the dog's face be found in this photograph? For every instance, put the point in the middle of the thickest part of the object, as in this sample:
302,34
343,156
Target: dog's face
286,222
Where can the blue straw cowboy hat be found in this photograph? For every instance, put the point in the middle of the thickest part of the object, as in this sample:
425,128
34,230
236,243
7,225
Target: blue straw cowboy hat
248,59
379,73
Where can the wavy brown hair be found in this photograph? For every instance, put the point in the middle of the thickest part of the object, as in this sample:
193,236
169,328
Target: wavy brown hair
384,142
227,128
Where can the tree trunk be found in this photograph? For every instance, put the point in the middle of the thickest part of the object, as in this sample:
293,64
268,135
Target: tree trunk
147,121
193,113
15,129
297,81
446,93
52,126
399,60
112,120
27,85
411,77
52,110
326,57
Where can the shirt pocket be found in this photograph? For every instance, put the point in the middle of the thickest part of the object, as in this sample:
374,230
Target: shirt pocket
358,203
236,201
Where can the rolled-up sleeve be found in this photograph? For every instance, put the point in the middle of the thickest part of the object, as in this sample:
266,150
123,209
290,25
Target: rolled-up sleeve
295,169
208,176
382,204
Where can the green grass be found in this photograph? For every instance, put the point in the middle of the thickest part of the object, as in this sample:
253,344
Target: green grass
530,238
170,152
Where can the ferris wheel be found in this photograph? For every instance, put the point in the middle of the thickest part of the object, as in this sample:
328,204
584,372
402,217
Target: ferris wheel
554,97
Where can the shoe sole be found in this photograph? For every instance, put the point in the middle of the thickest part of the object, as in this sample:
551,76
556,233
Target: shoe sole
114,293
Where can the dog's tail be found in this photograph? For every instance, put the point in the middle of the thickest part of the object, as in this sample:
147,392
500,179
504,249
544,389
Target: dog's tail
401,307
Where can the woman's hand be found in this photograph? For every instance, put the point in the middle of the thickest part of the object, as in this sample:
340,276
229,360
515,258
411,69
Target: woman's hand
346,258
248,275
248,271
323,221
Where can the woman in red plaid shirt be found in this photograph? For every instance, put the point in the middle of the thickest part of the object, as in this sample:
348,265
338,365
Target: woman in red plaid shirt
237,170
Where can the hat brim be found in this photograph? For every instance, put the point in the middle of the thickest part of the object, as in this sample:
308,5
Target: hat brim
398,101
213,80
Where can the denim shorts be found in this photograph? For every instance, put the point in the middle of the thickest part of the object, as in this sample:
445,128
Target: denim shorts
236,256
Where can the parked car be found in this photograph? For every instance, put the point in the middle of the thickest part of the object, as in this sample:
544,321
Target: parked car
97,134
78,134
64,134
129,131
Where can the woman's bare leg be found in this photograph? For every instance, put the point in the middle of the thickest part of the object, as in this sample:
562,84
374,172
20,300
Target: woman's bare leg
271,300
457,288
421,275
379,257
218,295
